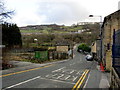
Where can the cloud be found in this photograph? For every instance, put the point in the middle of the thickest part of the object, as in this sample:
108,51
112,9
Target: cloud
28,19
61,12
58,11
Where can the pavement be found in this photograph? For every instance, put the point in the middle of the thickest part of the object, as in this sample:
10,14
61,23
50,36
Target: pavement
104,83
21,65
105,78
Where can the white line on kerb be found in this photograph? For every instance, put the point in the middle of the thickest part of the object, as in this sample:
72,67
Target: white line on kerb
23,82
58,69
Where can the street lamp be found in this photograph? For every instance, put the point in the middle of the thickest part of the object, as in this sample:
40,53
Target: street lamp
100,33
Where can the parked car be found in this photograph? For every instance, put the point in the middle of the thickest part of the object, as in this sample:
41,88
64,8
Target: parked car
79,50
89,57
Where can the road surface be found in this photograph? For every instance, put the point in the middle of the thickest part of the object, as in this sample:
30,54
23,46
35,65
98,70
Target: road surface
72,73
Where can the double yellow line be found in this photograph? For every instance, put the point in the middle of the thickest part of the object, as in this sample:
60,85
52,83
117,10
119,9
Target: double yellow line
81,80
25,71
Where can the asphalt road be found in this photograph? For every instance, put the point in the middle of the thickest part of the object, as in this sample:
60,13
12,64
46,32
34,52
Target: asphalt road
73,73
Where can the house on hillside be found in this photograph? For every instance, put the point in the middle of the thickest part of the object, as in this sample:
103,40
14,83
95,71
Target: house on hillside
95,50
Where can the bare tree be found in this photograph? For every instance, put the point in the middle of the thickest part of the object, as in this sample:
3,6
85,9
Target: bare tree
4,13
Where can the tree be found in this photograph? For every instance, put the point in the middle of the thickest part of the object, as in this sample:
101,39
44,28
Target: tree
84,47
4,13
11,35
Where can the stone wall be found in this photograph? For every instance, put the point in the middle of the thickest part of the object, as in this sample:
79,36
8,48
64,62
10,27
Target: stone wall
115,81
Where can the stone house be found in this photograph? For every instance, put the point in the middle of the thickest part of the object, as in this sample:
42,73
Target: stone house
110,23
94,49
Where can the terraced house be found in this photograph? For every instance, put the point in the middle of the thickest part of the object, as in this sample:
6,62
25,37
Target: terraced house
111,46
110,23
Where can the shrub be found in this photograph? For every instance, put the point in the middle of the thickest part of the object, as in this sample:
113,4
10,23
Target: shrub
84,47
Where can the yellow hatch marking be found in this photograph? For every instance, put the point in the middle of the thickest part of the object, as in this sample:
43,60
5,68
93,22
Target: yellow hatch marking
82,80
79,80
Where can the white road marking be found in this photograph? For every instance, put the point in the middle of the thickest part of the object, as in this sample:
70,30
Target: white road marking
67,77
47,75
63,71
54,75
72,64
78,72
60,76
58,69
72,71
57,81
86,81
23,82
74,78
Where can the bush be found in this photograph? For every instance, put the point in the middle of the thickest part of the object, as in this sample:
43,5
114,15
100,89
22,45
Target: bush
84,47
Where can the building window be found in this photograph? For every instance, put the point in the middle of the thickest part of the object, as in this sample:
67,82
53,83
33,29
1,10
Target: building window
108,46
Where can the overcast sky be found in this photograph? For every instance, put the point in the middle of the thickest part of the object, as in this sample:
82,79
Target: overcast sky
68,12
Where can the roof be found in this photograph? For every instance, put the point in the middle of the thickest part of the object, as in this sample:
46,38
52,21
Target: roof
109,17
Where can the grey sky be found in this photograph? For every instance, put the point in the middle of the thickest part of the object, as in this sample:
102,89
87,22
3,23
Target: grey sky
32,12
62,12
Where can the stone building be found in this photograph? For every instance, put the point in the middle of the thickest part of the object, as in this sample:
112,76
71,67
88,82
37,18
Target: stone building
110,23
94,50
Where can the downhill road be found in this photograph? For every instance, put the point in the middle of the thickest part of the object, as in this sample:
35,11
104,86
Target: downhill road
72,73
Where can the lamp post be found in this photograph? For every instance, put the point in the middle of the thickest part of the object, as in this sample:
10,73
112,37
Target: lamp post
100,35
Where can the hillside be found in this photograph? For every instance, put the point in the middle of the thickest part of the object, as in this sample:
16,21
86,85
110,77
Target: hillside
53,33
52,28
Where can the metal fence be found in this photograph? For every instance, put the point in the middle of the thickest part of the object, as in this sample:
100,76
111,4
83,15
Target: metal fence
116,51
